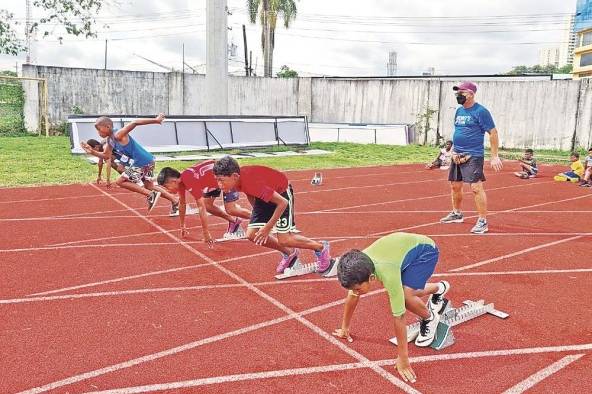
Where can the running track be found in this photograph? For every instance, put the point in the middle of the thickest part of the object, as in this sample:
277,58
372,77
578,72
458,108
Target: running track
97,297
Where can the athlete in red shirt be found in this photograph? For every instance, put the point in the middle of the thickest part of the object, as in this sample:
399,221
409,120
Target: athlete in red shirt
273,205
199,180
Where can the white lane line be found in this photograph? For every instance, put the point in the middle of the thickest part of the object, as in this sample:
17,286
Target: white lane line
328,337
151,273
92,215
258,284
333,211
332,241
425,197
474,216
181,348
517,253
340,367
544,373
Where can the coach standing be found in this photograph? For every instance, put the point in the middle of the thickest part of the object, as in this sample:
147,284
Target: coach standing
471,122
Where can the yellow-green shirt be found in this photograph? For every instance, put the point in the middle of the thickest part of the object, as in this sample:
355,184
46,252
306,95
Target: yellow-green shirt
578,168
388,254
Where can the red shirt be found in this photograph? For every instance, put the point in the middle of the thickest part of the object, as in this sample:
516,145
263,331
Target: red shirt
198,179
260,182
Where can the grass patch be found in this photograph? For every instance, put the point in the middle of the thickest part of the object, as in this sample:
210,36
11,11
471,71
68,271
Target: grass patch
44,161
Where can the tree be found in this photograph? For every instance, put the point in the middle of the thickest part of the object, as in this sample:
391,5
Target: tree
541,69
287,72
268,11
77,17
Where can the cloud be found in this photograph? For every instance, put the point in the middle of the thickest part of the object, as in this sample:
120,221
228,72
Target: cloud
328,37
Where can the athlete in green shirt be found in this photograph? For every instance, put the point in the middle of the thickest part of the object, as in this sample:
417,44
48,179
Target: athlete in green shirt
403,263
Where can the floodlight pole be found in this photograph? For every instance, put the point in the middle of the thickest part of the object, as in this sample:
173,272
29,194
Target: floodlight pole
216,92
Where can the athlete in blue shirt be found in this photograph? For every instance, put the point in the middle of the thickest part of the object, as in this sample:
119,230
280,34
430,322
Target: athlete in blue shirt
138,161
471,122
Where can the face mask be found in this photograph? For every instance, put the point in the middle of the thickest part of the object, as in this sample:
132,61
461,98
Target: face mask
461,99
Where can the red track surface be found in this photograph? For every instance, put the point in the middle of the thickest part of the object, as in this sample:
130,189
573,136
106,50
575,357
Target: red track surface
94,296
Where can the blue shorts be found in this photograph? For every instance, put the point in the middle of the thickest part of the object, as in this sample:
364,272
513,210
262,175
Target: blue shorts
418,266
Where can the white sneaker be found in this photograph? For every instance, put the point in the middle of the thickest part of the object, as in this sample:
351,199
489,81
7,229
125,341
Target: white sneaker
437,303
427,330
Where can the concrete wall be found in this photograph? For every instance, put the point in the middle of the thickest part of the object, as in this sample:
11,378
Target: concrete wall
538,114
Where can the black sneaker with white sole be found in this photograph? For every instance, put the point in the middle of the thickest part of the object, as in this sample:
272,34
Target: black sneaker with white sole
174,209
152,199
437,303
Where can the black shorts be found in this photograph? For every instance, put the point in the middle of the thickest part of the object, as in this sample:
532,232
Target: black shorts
468,172
263,211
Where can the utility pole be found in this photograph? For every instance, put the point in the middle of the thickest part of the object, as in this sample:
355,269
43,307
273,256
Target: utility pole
28,25
215,95
250,63
183,59
105,54
245,45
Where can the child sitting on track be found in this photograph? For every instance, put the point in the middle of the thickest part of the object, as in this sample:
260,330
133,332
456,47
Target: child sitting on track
403,263
444,158
576,170
139,162
528,165
95,148
273,204
588,172
199,180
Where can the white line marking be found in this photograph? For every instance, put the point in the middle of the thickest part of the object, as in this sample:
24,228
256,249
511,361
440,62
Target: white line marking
338,367
517,253
427,197
270,283
182,348
531,381
333,241
151,273
333,210
330,338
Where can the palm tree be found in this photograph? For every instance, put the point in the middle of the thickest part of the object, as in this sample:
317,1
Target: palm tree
268,11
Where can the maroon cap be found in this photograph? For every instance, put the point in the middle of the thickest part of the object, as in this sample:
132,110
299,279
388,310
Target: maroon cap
466,86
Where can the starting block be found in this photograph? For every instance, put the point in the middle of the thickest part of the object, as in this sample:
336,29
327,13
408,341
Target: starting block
299,269
452,317
236,236
317,179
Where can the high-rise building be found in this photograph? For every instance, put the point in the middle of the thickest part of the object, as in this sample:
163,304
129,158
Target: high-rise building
549,56
391,66
568,42
583,51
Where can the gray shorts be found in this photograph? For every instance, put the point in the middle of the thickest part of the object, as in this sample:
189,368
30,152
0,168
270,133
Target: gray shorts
469,172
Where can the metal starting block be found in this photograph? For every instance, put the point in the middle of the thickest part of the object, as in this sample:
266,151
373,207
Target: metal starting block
236,236
452,317
317,179
299,269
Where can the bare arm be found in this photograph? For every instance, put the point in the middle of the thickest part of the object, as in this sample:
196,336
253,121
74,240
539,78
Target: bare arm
88,149
351,302
125,130
496,163
100,165
402,364
280,205
203,215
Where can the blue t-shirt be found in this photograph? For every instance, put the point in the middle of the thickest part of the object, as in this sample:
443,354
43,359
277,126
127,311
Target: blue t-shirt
470,126
132,154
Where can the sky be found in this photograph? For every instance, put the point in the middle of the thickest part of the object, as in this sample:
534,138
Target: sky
328,37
